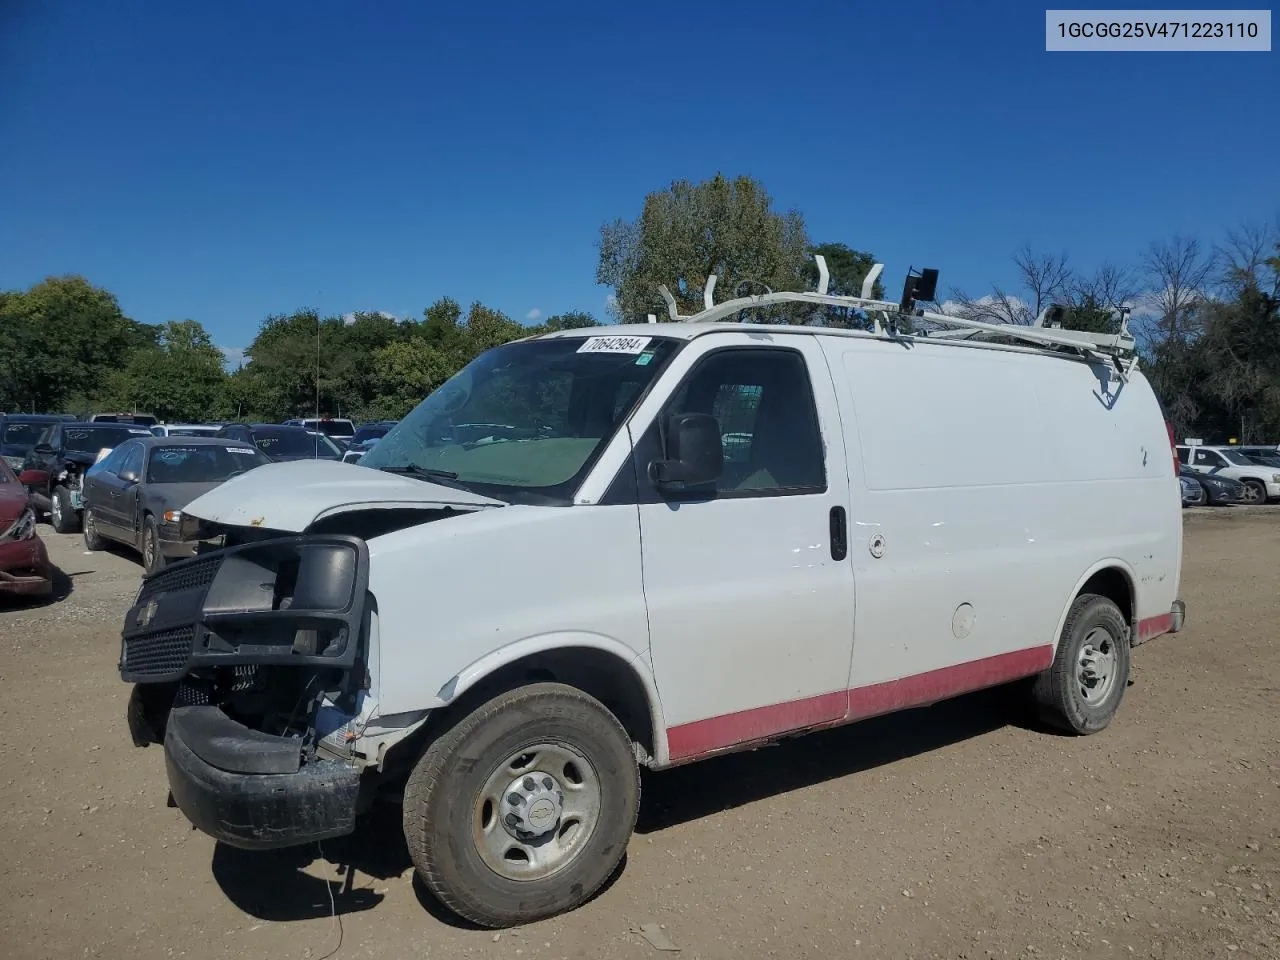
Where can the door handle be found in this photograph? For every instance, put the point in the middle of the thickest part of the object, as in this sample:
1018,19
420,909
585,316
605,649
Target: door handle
839,534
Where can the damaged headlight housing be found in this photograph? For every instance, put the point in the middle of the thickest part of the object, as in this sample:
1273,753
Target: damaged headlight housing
24,528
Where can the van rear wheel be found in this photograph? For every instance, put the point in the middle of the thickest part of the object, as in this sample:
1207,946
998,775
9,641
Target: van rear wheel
524,808
1082,690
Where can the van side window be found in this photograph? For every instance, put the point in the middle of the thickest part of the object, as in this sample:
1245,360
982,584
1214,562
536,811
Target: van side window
1183,454
1207,458
763,400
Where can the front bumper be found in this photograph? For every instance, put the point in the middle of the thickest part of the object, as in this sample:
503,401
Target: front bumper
173,547
24,568
253,790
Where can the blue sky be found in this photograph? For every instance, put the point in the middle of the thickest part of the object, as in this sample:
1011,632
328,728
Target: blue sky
225,161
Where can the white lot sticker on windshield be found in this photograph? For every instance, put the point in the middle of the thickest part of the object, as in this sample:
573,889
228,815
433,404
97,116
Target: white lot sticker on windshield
242,450
614,344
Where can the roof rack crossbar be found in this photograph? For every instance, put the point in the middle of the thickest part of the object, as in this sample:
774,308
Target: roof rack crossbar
1045,332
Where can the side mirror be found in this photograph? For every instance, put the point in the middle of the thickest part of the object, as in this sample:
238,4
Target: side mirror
129,476
695,451
43,449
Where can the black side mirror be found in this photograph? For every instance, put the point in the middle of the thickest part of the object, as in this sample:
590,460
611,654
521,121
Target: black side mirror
695,451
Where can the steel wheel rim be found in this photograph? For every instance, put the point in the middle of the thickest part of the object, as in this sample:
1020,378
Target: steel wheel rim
1097,666
55,510
536,811
148,551
90,529
1251,494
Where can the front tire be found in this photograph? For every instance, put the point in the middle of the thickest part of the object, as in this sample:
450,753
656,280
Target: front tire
524,808
1255,492
62,515
1082,690
152,555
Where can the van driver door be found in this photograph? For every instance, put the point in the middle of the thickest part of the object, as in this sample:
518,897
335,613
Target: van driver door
747,581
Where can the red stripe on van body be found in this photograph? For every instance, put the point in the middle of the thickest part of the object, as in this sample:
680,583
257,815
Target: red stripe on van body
690,740
1154,626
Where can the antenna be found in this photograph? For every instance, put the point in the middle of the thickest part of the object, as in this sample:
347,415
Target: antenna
317,439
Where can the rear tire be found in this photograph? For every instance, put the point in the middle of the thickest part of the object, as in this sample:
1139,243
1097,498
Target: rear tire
93,540
475,801
61,514
1082,690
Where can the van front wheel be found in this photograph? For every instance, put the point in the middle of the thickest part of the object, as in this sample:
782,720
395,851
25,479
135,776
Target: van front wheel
1082,690
524,808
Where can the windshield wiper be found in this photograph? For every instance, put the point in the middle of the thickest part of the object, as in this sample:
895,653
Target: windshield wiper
422,473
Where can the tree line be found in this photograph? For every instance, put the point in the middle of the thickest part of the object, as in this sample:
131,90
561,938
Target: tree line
1205,314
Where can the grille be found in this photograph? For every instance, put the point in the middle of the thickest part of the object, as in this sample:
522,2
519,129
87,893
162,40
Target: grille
158,654
198,573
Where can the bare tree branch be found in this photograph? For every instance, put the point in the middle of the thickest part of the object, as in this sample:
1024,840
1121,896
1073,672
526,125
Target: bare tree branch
1244,254
1045,277
1178,274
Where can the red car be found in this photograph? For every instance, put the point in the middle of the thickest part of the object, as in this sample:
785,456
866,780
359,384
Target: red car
24,564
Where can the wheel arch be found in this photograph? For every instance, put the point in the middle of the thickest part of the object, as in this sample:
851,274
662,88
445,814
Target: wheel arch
605,668
1111,578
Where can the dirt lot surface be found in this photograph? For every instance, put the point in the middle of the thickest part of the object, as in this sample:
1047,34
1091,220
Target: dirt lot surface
943,832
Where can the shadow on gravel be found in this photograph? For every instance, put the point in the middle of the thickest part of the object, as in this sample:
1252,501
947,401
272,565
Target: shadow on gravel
273,885
700,789
63,587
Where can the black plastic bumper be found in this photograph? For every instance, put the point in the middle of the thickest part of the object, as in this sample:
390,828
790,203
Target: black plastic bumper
268,798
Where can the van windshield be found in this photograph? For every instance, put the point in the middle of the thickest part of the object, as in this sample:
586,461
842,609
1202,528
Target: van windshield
525,421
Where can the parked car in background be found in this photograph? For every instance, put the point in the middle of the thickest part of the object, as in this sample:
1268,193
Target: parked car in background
20,431
141,419
1193,494
372,431
24,563
354,452
1261,483
186,429
1218,490
54,469
283,442
1263,456
136,494
340,430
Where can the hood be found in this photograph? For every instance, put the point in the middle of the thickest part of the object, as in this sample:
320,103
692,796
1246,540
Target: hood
292,495
177,495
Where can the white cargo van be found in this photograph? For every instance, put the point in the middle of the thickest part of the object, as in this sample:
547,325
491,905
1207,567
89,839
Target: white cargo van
599,550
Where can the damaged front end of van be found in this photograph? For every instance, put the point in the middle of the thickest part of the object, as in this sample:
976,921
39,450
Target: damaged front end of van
253,662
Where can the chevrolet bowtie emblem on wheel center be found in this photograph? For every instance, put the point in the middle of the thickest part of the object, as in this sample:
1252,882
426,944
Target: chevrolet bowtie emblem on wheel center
146,613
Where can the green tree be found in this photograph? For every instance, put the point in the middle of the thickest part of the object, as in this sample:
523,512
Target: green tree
59,342
689,231
573,320
180,378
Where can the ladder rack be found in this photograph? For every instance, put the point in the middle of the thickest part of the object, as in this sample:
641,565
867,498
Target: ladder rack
1118,349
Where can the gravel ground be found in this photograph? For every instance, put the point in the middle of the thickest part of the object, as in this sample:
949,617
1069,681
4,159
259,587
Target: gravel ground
941,832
